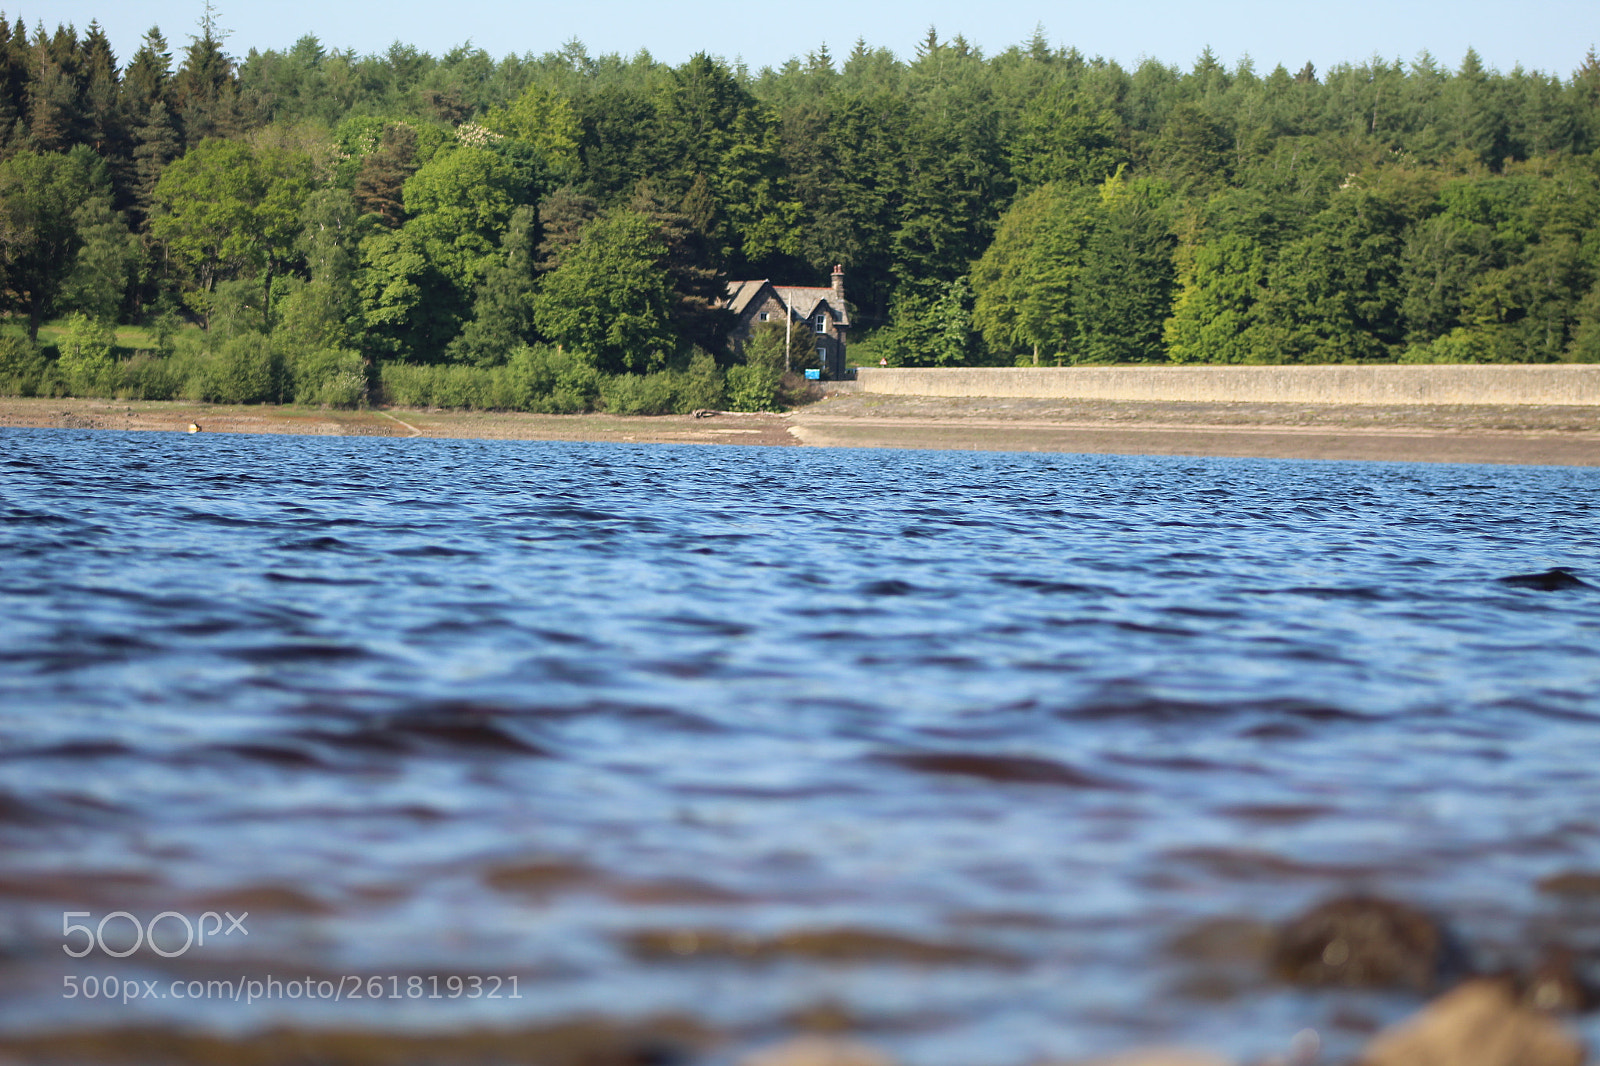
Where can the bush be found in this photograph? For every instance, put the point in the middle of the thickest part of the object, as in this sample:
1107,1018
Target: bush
460,386
85,363
753,388
1460,345
549,380
702,385
22,367
637,394
246,369
149,377
332,377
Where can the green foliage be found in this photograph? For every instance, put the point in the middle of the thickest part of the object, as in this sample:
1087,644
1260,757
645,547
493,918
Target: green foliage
502,313
934,332
246,369
1217,310
543,119
460,203
538,379
40,199
1024,283
22,366
85,363
1123,292
753,387
106,261
320,202
609,300
328,377
228,210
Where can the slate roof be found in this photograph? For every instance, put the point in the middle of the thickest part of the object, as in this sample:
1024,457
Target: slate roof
802,299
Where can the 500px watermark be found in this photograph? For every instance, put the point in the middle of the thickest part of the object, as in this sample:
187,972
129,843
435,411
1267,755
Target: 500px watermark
143,934
252,990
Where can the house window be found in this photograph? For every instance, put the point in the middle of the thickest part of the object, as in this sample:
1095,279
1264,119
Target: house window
764,316
822,355
822,321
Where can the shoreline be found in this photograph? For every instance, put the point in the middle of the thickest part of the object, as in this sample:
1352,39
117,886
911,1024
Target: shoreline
1549,435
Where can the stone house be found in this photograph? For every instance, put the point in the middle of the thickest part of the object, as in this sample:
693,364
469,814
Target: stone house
820,312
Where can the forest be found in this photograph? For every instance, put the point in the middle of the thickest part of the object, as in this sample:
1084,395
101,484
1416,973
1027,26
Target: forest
555,231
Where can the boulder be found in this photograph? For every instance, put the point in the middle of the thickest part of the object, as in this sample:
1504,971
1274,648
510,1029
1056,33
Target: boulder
1480,1023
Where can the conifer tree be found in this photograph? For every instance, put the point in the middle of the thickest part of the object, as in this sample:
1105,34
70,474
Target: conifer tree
206,88
502,312
103,120
54,107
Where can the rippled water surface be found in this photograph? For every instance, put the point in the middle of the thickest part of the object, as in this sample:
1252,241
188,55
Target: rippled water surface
953,746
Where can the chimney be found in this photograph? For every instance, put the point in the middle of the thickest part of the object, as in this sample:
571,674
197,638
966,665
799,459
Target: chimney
838,293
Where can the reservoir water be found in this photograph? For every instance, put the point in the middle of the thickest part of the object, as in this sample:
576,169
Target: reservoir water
971,754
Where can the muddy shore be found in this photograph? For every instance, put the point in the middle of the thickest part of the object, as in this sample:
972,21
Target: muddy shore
1565,436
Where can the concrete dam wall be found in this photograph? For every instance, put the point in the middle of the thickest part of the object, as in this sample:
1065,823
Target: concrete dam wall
1560,383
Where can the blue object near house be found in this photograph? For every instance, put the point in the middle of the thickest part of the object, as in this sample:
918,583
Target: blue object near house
813,375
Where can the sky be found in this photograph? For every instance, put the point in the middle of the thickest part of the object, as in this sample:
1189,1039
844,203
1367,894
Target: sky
1548,35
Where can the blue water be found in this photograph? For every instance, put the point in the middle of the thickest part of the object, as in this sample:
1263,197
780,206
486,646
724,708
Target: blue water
957,744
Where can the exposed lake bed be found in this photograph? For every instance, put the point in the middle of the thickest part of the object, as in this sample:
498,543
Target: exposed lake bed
988,758
1500,434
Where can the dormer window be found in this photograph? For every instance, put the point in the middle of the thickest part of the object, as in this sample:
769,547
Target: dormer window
822,321
765,315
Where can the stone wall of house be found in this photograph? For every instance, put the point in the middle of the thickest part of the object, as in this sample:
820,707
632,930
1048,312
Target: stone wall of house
833,339
1558,384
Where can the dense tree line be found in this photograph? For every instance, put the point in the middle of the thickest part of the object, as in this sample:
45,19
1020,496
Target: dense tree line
324,215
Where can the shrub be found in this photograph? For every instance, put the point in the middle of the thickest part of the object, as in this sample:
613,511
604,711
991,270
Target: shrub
22,366
406,386
636,394
247,369
149,377
702,385
332,377
460,386
85,363
753,388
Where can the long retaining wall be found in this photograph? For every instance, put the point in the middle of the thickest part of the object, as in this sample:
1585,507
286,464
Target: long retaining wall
1577,384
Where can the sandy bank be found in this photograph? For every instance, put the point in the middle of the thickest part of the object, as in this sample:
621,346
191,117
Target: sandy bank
1520,434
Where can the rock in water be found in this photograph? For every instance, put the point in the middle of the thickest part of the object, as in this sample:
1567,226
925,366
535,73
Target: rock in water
1361,942
1478,1024
1552,580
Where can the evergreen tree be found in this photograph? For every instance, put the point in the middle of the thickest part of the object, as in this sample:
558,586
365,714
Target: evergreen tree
56,120
502,311
205,91
562,216
155,144
104,127
1124,291
148,79
380,183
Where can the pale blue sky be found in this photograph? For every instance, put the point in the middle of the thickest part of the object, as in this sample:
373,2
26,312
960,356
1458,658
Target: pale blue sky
1550,35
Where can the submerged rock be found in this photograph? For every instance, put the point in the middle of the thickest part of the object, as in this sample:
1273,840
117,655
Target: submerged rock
1552,580
1478,1024
1361,942
1555,983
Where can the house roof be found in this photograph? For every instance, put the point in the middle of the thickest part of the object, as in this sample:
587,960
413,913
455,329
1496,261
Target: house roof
801,299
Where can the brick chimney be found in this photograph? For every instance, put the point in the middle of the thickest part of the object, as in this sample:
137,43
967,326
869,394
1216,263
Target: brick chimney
838,292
